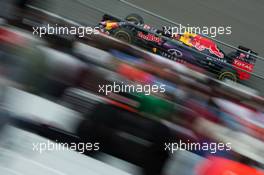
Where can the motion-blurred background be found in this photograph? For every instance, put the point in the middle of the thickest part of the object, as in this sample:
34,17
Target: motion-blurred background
49,92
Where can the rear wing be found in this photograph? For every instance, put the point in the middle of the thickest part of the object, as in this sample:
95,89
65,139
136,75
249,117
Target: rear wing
243,61
248,57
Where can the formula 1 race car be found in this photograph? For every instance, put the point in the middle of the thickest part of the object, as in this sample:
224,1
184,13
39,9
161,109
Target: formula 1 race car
184,48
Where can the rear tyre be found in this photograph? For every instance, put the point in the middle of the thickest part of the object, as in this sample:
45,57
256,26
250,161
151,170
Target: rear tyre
227,75
124,35
135,18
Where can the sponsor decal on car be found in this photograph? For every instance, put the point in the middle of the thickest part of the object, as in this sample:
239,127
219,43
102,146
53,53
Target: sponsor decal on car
244,66
174,54
217,59
149,37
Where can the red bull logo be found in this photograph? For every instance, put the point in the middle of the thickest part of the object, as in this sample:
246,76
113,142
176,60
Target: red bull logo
202,43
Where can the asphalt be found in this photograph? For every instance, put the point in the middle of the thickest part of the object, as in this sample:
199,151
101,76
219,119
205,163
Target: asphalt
244,16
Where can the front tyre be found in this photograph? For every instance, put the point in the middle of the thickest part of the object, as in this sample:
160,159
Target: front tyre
124,35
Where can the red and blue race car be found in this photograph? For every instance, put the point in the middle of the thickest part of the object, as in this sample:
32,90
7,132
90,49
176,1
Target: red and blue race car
184,48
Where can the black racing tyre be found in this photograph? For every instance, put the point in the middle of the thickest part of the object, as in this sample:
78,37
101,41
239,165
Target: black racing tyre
124,35
226,74
135,18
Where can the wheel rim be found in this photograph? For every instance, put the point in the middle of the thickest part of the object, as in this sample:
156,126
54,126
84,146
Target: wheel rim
228,76
123,36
